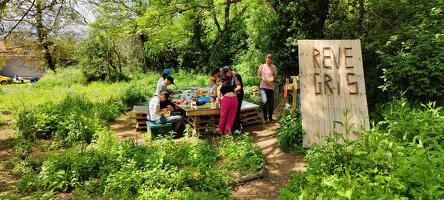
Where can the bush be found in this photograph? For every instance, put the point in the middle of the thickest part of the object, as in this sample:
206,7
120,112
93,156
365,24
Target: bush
65,77
290,133
135,93
125,170
73,120
407,124
380,164
240,154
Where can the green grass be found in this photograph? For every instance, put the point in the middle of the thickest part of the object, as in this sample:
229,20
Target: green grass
82,156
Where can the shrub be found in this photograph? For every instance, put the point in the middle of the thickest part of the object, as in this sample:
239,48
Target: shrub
407,124
379,165
124,170
135,93
75,129
73,120
290,133
240,154
25,125
109,110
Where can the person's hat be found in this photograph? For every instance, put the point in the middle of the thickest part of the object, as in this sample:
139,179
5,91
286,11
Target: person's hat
171,79
167,72
226,68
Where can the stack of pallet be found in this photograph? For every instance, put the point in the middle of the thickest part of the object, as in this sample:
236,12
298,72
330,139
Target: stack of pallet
251,117
141,113
203,124
250,114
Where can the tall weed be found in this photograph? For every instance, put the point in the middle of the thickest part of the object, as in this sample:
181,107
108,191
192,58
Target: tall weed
290,133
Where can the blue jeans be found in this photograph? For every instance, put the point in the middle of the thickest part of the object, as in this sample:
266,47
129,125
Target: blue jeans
267,97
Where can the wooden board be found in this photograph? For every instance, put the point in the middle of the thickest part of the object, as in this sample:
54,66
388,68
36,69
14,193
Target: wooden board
332,88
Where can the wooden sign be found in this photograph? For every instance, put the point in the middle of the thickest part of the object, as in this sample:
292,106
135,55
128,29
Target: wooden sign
332,89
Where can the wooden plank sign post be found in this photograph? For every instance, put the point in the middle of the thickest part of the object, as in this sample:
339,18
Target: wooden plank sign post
332,88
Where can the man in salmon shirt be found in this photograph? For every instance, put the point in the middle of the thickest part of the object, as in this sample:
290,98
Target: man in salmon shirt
267,73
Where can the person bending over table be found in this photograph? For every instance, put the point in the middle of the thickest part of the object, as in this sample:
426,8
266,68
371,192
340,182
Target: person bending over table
165,73
159,106
236,80
228,106
164,85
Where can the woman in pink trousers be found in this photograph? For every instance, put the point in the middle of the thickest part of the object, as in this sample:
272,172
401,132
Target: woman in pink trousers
228,106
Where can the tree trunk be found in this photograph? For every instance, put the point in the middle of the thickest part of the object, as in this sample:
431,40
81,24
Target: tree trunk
42,35
145,61
318,27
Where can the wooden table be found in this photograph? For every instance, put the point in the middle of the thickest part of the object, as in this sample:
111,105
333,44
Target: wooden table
203,118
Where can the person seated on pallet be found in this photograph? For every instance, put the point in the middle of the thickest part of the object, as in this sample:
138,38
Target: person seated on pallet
164,85
159,107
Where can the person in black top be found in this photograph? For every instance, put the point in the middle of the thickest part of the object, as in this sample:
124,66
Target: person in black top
236,81
228,106
174,113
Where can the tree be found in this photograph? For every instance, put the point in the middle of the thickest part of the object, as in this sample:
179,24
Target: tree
40,19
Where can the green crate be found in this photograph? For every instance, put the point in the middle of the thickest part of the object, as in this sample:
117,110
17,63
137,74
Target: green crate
156,130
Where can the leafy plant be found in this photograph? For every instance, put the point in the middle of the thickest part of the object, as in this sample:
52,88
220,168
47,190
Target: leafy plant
290,133
382,164
240,154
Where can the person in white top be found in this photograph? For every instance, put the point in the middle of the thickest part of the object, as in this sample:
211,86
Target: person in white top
267,73
165,74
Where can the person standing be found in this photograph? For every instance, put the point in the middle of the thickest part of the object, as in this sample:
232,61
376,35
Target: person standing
228,106
236,81
267,73
214,80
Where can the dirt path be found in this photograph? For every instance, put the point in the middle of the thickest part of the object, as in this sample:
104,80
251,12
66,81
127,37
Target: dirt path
279,166
125,128
7,182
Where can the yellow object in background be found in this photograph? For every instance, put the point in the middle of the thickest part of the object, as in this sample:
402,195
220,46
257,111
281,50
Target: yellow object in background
199,92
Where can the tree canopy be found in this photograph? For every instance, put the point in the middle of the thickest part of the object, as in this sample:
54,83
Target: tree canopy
402,41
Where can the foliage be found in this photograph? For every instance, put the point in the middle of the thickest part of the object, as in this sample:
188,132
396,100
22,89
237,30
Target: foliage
290,133
71,121
384,163
160,169
401,42
240,154
413,57
102,60
86,159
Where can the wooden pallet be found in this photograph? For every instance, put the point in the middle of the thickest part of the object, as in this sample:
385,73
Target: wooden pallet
251,117
141,116
202,124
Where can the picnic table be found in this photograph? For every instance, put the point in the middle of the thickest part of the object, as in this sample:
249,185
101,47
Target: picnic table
203,118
